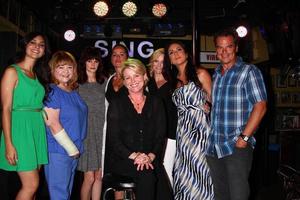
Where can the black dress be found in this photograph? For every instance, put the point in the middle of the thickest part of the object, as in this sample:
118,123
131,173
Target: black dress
111,94
165,93
131,132
164,188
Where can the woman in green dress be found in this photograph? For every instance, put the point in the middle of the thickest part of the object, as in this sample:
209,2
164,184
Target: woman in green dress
23,145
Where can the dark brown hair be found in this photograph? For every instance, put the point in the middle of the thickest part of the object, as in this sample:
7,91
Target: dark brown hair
90,53
121,46
190,69
225,33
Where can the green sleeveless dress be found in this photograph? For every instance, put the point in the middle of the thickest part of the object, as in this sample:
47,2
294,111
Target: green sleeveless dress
27,125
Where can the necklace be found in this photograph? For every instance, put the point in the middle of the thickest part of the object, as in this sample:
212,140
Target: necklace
29,73
26,70
117,83
137,104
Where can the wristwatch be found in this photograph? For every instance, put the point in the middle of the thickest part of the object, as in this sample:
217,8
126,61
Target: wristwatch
245,137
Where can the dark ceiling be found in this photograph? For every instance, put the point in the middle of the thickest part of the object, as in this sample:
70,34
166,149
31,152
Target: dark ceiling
211,15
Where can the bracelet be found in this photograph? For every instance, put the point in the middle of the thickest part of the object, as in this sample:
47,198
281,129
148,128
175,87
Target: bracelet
133,157
150,158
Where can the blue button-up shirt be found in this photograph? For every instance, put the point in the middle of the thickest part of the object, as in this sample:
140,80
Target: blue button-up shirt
233,97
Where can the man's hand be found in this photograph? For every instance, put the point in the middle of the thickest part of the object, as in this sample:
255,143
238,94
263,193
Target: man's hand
240,143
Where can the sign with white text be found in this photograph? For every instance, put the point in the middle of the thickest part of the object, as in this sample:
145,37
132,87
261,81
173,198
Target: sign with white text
208,57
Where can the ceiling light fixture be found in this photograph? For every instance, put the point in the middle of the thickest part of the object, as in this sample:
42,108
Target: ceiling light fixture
101,8
159,10
129,9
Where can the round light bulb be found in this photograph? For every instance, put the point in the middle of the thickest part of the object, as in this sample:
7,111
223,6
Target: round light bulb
101,8
159,9
241,31
129,9
69,35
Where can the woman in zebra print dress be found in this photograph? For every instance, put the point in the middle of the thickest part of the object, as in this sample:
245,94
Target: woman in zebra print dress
192,180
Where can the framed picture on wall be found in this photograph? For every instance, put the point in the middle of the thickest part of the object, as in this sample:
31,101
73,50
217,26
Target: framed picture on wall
277,98
290,121
274,81
295,98
285,98
291,82
280,82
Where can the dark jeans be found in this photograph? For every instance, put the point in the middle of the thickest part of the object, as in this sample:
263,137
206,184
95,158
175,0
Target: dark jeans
230,174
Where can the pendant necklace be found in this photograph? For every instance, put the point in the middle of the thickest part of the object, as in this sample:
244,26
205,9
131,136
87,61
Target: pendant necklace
138,105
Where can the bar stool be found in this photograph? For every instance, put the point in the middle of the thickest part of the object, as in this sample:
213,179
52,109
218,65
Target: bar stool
116,182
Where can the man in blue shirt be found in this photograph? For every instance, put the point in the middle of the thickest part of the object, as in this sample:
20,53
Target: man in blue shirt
238,106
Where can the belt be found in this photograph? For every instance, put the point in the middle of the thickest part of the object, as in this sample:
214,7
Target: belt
32,110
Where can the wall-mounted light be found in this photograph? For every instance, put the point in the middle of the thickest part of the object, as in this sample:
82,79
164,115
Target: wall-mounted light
69,35
159,9
101,8
129,9
241,31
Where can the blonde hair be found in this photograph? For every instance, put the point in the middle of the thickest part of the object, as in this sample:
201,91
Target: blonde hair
136,65
63,58
154,56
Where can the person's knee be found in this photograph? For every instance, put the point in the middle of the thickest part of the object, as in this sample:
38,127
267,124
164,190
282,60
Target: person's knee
98,176
30,186
89,179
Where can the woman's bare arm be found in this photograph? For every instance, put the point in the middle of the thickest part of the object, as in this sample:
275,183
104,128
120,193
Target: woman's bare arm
8,83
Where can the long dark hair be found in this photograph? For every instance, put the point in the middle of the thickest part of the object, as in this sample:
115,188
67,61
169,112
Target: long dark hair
41,68
190,69
111,68
20,56
87,54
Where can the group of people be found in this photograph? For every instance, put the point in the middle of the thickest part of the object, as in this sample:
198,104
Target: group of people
167,125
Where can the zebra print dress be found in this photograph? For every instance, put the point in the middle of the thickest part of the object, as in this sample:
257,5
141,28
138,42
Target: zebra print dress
192,180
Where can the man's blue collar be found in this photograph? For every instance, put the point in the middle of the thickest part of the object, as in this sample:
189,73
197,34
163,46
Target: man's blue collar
239,62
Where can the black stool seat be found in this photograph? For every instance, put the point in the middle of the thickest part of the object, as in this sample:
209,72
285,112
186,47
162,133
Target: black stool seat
115,182
118,182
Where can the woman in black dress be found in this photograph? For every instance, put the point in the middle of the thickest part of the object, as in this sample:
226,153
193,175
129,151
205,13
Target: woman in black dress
136,126
114,87
160,85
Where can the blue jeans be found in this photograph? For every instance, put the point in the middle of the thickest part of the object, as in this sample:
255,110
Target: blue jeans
230,174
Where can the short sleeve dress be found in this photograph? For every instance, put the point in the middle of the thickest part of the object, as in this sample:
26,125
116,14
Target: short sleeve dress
94,96
27,125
